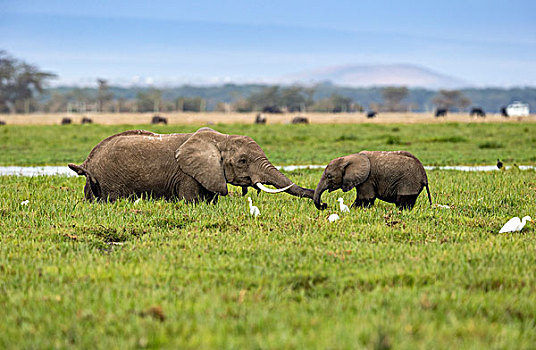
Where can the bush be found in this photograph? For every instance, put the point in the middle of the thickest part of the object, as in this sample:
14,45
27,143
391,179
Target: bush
490,145
393,140
450,139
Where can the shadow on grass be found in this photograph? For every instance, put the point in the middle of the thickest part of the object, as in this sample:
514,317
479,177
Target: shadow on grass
109,234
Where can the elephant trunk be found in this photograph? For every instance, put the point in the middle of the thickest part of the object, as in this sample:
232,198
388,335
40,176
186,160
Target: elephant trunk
268,174
320,188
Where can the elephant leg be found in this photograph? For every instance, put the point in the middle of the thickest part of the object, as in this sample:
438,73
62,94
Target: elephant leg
191,191
88,194
365,196
406,202
208,196
93,190
245,190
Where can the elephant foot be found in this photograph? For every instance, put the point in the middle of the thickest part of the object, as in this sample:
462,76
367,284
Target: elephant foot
404,206
406,202
363,203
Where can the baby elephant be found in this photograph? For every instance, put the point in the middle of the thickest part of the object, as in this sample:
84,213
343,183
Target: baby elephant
395,177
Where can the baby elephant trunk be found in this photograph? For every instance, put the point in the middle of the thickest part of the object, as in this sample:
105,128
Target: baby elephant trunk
320,188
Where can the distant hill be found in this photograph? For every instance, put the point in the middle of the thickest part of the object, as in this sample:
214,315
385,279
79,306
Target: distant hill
377,75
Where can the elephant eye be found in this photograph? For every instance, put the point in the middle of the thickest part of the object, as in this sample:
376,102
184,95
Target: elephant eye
242,161
329,176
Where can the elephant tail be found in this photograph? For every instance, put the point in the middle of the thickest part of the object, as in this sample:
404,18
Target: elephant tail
429,196
93,182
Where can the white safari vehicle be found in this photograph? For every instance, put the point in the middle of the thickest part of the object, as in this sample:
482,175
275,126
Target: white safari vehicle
517,109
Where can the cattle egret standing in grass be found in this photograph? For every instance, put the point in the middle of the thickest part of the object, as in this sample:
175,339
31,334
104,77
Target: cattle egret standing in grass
137,201
344,207
25,202
333,217
515,224
253,210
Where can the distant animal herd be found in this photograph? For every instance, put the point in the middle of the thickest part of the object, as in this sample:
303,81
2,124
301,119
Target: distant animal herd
67,121
261,118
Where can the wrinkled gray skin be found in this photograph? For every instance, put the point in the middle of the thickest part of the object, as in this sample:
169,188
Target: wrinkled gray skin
395,177
194,167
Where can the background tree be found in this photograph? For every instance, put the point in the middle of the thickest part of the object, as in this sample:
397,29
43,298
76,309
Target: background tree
56,103
268,97
20,82
223,107
81,100
122,105
451,99
129,106
335,104
341,103
191,104
418,100
242,106
392,97
293,99
103,94
309,95
149,101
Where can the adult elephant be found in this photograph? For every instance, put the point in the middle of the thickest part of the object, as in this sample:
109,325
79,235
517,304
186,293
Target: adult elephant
395,177
194,167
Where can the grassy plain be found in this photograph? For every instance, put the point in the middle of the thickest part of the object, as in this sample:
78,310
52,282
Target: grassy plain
167,274
434,144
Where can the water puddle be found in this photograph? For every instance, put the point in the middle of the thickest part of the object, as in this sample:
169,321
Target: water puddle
36,170
448,167
298,167
476,167
65,171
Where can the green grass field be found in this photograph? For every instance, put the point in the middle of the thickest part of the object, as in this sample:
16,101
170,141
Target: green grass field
163,274
434,144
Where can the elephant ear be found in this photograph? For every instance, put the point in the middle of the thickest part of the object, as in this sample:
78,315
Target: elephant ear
356,171
200,158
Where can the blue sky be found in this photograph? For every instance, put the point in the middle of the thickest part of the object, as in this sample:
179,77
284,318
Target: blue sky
486,43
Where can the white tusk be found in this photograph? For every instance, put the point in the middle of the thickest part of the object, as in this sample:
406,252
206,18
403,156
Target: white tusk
269,190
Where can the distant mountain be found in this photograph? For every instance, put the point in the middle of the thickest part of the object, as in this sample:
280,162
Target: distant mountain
377,75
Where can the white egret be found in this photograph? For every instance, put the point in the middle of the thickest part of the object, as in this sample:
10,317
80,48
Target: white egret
253,210
137,201
515,224
25,202
344,207
333,217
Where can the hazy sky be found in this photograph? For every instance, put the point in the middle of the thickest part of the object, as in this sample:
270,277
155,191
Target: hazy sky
484,42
